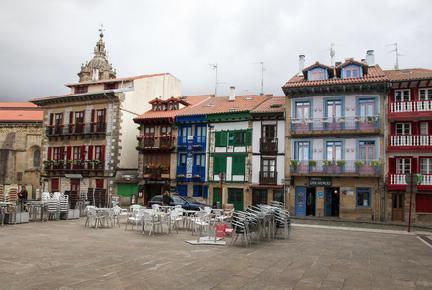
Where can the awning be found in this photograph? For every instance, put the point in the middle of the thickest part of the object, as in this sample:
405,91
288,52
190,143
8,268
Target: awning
77,176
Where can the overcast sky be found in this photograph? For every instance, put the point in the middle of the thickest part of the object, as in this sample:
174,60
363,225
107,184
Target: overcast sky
44,42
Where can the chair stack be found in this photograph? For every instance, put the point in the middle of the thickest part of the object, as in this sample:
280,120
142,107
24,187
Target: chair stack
63,204
91,197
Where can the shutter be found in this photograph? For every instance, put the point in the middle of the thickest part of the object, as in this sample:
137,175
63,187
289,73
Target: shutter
216,165
231,137
104,114
69,153
93,114
102,150
218,139
83,152
392,165
90,152
238,165
71,118
248,137
51,119
414,165
49,153
205,191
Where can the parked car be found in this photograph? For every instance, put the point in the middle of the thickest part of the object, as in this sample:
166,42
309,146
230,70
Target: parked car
188,203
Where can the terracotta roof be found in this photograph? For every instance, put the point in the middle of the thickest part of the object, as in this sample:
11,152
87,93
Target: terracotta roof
20,112
275,104
351,61
117,80
193,100
408,74
218,105
375,74
316,64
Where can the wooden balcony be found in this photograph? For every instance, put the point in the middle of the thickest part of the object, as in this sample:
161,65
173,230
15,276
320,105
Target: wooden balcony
410,142
269,145
268,177
335,126
336,167
80,129
86,168
156,172
152,143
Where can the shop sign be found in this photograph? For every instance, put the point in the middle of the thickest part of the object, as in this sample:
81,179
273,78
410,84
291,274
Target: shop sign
320,194
320,181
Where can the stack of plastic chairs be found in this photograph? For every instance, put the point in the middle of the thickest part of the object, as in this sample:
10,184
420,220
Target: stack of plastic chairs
63,204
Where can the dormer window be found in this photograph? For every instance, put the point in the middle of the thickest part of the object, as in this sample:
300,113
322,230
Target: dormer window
81,89
110,86
352,71
317,74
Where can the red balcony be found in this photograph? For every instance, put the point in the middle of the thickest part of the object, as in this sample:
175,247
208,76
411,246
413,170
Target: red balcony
410,109
399,182
410,142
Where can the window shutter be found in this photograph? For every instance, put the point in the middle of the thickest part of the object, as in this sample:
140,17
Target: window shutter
104,114
51,119
392,165
69,153
93,116
238,165
218,139
71,118
102,157
205,191
248,137
83,152
49,153
90,152
231,137
219,164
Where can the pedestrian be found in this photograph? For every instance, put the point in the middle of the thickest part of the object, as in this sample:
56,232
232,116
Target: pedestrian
22,195
167,199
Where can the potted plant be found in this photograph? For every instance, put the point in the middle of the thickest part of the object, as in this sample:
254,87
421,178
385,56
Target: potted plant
376,164
312,164
294,164
358,164
47,164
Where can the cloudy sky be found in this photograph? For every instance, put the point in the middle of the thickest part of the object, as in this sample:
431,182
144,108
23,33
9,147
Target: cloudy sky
44,42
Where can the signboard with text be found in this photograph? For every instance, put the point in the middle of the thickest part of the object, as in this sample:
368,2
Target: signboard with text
320,181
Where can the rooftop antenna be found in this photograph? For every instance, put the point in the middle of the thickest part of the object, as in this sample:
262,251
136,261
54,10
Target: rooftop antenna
215,67
397,54
101,30
262,76
332,53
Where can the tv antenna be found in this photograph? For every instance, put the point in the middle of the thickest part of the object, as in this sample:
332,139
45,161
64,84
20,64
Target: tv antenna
262,76
397,54
332,53
214,66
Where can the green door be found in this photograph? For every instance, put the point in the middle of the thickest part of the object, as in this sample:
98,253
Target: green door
235,196
217,196
127,189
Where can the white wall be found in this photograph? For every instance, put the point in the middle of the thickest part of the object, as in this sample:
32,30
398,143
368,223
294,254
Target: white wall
256,135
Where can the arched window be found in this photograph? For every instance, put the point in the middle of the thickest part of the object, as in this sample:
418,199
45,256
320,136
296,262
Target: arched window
36,158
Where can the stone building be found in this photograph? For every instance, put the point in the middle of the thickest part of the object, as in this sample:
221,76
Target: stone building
336,128
20,145
90,138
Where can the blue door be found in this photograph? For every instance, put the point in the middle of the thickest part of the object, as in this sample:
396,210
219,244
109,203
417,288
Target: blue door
300,200
328,202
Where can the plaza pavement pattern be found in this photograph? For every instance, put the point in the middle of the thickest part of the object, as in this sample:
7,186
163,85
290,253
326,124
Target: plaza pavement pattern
65,255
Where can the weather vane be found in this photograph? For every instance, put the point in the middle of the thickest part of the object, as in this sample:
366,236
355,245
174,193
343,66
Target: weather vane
101,30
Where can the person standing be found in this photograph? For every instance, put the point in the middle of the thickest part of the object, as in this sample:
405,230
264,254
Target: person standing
167,199
23,195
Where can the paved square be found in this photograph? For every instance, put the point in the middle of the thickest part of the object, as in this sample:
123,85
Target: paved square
64,254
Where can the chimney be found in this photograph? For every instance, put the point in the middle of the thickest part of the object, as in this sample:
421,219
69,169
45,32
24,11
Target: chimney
338,63
301,64
370,57
232,95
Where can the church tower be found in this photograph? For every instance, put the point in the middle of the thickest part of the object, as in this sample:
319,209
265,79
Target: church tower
98,68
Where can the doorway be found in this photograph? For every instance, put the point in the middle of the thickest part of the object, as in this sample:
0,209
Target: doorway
300,200
331,201
259,196
151,190
55,185
75,185
235,196
310,201
397,206
100,183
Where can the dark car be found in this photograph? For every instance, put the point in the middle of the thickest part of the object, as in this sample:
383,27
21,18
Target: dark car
186,202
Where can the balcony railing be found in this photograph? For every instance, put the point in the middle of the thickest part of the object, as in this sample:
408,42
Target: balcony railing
269,145
351,167
401,179
339,124
76,129
268,177
152,142
412,106
73,165
410,140
197,171
155,171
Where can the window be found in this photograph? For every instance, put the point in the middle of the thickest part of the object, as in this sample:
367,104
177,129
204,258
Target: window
403,165
367,107
317,74
268,165
426,165
268,132
182,159
403,128
239,138
219,164
100,116
99,152
334,108
200,159
76,153
165,130
334,150
221,138
81,89
425,94
110,86
402,96
363,197
200,134
58,118
302,150
238,165
352,71
149,131
185,132
424,128
79,117
58,153
200,191
36,158
367,150
302,110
